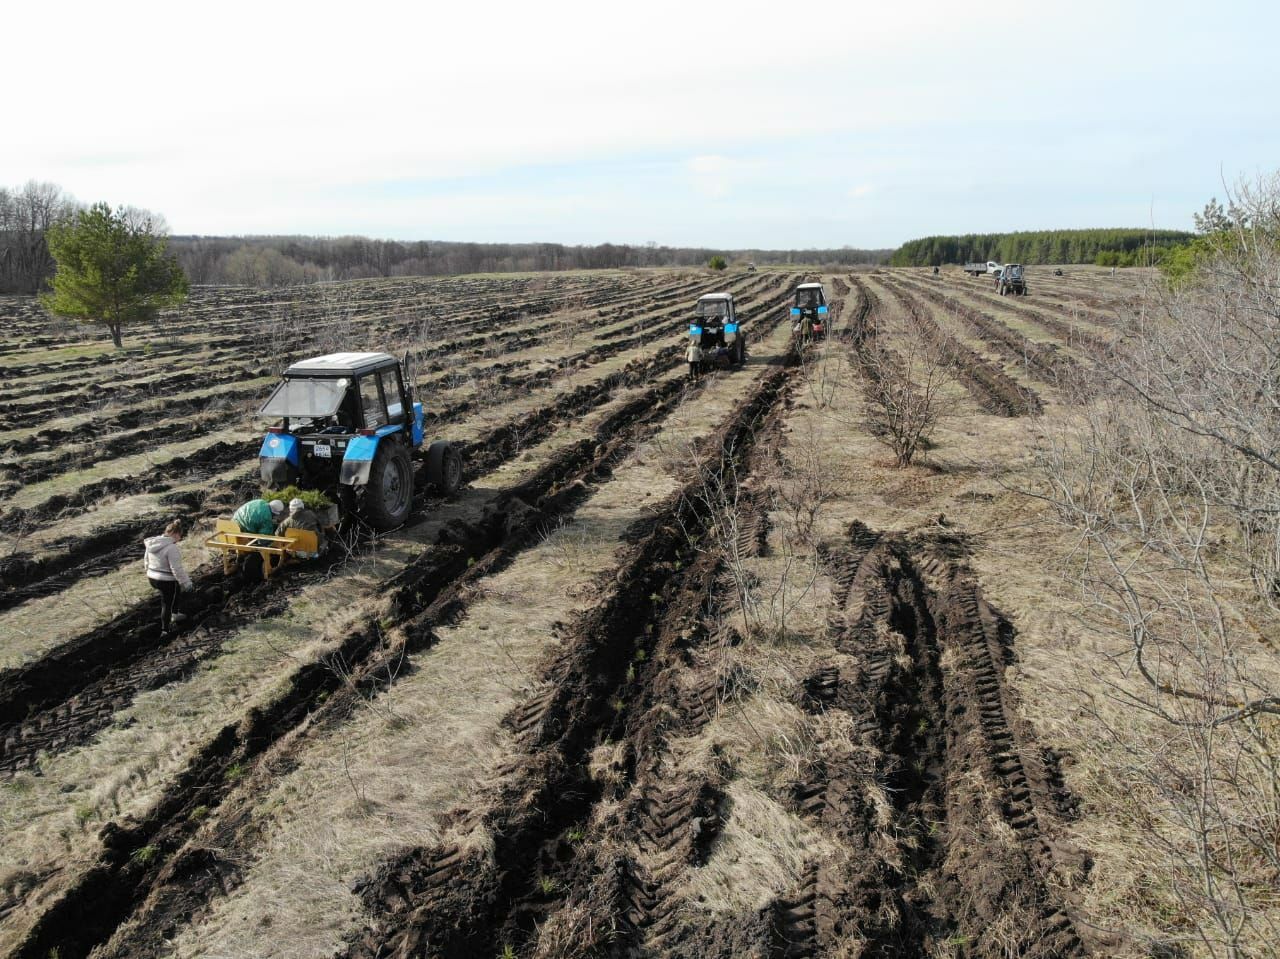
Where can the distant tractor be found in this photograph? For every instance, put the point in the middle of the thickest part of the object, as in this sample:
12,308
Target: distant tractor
715,329
349,425
809,311
1011,280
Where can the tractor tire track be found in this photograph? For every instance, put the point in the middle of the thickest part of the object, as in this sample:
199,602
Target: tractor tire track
991,389
441,901
433,590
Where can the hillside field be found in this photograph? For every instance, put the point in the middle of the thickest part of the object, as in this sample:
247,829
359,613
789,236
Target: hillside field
686,668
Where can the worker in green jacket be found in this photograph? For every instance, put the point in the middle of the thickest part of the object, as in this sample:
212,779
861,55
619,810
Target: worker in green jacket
259,516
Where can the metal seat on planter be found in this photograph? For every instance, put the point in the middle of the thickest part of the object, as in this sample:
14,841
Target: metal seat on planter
275,551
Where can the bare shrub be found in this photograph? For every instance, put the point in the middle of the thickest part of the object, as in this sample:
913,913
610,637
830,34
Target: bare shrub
1171,488
904,387
809,479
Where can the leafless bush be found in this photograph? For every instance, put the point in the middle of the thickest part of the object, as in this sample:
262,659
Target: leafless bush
1171,486
824,372
904,387
809,479
729,510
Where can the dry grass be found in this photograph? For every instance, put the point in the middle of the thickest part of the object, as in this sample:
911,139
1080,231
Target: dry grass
385,778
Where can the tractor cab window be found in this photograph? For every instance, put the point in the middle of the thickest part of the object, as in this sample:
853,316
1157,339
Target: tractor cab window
375,411
391,390
717,308
303,399
808,299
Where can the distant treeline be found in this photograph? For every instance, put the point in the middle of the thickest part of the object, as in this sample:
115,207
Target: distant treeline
1117,247
281,260
27,212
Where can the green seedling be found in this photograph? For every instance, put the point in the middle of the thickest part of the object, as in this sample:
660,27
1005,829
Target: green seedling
144,854
235,771
198,813
547,886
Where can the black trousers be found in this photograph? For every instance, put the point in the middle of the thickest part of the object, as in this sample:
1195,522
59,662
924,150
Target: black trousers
168,599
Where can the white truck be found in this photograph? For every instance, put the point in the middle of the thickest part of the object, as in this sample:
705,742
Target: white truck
991,267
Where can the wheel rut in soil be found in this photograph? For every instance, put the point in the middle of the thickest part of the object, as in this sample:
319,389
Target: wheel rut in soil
64,698
1069,330
992,389
164,887
1044,361
945,807
945,810
446,901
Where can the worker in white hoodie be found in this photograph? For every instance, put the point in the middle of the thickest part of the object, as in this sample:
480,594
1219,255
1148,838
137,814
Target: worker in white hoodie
165,571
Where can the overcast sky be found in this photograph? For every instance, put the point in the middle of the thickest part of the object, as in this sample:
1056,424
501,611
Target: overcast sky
714,124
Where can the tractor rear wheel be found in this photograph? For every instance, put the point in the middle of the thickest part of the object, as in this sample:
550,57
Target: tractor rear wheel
444,467
388,497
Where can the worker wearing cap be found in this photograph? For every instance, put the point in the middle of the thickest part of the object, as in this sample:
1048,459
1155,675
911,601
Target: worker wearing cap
302,518
258,516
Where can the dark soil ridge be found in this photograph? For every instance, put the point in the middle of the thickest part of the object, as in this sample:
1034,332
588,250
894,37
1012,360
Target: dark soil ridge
944,744
627,872
146,385
1071,332
70,693
619,308
506,367
444,902
31,414
992,389
1044,361
202,462
74,558
80,456
128,419
504,375
429,592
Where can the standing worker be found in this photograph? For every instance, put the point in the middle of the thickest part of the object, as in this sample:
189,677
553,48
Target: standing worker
166,573
694,358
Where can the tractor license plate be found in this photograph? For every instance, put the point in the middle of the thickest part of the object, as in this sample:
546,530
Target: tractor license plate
323,449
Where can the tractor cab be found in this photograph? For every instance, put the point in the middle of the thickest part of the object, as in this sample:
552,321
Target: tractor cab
1011,280
715,329
348,423
809,311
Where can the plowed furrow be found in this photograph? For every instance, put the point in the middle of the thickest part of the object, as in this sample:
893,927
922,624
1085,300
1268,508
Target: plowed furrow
990,388
66,697
1043,361
431,592
938,760
501,902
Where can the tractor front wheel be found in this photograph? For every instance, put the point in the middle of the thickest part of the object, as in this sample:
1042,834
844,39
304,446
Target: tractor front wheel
388,498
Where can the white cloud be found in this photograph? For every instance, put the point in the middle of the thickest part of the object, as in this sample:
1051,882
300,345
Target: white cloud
861,190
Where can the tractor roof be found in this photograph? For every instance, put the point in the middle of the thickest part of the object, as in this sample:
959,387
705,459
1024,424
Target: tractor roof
716,296
809,286
341,364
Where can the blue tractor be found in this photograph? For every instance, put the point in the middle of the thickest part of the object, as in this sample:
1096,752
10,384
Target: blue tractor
809,312
348,425
715,329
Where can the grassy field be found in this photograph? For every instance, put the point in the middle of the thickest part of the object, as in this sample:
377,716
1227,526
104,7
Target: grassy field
686,667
